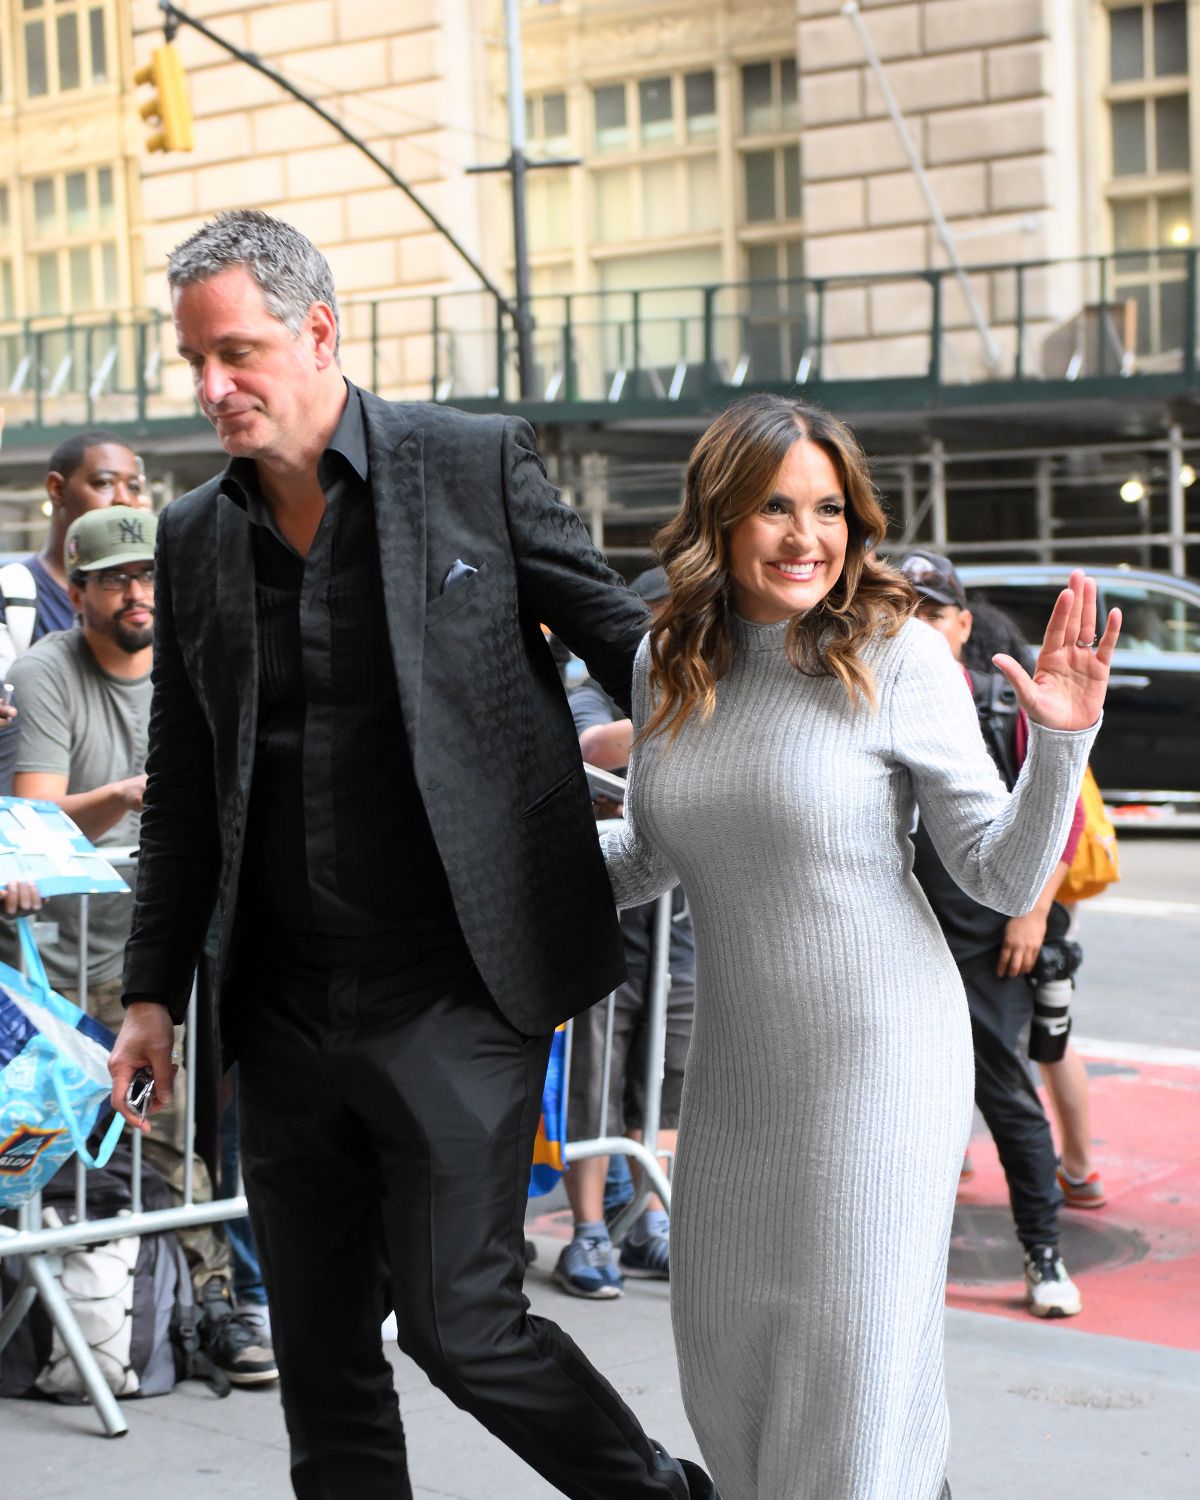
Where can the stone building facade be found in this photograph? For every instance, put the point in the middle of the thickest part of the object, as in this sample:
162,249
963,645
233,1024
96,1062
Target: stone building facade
742,200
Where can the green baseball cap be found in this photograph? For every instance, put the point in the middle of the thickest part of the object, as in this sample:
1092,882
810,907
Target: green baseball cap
110,536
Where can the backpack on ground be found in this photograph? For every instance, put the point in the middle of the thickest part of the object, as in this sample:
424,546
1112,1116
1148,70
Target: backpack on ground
132,1297
1096,865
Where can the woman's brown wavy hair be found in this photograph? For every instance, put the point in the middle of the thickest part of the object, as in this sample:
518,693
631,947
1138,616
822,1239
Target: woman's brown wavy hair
731,473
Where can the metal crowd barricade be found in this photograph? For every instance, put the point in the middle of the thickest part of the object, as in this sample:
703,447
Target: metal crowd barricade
645,1152
42,1247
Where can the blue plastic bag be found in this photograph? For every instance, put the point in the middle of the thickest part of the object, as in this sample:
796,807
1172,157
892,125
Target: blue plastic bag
548,1163
53,1079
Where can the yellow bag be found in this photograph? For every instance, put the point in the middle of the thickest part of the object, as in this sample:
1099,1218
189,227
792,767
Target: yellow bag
1095,865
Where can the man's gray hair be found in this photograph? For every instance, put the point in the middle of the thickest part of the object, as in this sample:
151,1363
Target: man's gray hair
288,268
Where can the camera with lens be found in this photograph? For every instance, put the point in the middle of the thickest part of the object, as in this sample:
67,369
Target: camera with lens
1052,980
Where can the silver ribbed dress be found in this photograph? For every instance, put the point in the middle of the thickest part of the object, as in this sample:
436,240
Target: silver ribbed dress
828,1092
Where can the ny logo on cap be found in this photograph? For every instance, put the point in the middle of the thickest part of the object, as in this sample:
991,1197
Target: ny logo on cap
131,531
920,568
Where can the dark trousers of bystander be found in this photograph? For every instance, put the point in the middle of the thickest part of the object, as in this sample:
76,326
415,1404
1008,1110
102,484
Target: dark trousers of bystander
386,1143
1000,1014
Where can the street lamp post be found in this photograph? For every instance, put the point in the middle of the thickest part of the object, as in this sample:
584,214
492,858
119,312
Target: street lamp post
518,166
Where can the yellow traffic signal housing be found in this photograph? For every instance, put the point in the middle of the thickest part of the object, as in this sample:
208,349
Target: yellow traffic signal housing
170,105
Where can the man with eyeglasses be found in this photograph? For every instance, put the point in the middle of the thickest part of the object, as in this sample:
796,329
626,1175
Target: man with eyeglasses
84,698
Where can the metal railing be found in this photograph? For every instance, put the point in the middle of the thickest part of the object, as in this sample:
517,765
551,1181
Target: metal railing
40,1245
71,371
1126,316
645,1152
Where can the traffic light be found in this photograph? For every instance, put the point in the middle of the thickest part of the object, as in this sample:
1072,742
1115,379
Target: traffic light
169,105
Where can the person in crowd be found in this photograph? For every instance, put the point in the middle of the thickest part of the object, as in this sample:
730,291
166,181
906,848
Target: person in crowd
789,717
88,471
85,700
585,1267
994,953
1065,1080
361,757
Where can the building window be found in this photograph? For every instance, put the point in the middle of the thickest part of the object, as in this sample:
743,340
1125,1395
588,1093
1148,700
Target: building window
700,105
769,149
672,191
546,124
8,300
651,113
66,46
770,97
772,184
1150,191
776,330
612,125
73,260
548,210
657,200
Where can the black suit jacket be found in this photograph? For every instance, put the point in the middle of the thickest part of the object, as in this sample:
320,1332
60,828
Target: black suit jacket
492,743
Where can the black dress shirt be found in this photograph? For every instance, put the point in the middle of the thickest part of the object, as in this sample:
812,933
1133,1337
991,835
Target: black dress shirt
340,868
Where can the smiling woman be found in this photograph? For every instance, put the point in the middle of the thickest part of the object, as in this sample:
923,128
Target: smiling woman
787,555
777,523
789,720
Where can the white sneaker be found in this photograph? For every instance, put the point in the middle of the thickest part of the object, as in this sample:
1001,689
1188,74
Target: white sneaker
1049,1291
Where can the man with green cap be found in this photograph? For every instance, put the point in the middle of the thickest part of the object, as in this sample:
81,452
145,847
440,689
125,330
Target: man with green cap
84,697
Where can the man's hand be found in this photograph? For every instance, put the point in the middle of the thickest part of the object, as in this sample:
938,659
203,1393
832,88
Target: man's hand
20,898
131,790
1023,939
145,1041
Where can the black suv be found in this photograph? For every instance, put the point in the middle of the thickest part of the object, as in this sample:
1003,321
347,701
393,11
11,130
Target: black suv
1149,748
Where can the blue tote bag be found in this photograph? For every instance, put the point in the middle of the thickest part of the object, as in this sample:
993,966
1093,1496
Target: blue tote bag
548,1163
53,1079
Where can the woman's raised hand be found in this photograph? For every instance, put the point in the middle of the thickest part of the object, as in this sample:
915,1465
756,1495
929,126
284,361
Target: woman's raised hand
1070,680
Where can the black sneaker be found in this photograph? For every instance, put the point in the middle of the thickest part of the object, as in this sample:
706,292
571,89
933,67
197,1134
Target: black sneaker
236,1342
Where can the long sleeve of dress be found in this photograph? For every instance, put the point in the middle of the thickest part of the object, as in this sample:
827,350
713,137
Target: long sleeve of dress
1000,847
637,869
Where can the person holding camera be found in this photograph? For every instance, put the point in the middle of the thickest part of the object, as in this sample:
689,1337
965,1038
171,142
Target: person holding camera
1016,970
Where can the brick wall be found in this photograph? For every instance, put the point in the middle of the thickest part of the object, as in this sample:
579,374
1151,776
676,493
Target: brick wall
974,80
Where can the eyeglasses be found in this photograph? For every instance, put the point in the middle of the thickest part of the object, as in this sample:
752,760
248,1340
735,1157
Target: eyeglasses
117,580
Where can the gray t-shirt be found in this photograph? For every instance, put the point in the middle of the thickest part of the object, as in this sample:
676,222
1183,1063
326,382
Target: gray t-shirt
78,721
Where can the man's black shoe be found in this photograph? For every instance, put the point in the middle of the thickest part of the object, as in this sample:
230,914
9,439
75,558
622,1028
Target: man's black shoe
700,1486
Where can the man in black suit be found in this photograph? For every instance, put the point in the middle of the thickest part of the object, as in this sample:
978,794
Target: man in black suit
361,757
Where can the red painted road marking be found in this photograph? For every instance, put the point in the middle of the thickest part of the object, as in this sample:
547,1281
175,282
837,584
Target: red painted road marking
1146,1123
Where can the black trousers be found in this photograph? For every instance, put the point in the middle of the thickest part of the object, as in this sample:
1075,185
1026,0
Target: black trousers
386,1142
1000,1011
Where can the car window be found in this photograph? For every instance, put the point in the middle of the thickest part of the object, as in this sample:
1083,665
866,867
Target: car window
1153,621
1027,605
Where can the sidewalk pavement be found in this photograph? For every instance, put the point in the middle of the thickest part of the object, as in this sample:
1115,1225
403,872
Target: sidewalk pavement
1038,1411
1102,1405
